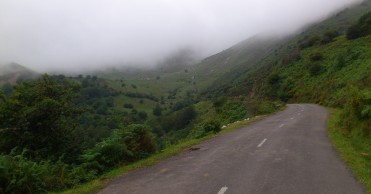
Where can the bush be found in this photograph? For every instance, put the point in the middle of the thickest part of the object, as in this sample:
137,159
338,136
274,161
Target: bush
340,62
274,78
218,102
142,115
139,140
20,175
293,56
310,42
329,37
232,111
362,28
259,106
211,126
157,111
179,119
206,127
357,110
108,153
123,146
128,105
316,57
315,69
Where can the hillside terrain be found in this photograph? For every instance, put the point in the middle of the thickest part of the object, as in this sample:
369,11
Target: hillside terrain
73,129
13,73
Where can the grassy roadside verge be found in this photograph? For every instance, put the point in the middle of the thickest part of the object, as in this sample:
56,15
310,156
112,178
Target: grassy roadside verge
358,164
98,184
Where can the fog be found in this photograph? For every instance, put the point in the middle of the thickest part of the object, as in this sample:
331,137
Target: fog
78,35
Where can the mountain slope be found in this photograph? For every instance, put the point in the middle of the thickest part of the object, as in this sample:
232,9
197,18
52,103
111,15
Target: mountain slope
13,73
241,81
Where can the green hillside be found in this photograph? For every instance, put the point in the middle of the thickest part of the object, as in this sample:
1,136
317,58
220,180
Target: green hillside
240,81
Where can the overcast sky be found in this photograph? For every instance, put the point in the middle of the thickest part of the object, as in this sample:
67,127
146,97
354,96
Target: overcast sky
49,35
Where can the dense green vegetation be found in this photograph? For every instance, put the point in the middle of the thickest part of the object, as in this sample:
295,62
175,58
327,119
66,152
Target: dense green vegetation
58,131
350,154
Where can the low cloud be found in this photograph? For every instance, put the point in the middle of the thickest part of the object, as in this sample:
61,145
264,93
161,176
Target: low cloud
77,35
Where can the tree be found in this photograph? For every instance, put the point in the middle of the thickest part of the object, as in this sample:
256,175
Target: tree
316,57
128,105
329,37
315,69
310,42
157,110
142,115
179,119
2,96
7,89
39,116
274,79
360,29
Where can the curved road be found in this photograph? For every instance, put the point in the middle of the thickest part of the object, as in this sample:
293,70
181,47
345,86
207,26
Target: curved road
288,152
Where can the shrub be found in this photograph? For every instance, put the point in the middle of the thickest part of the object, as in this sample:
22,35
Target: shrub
20,175
204,128
315,69
274,78
316,57
329,37
128,105
218,102
108,153
157,111
293,56
360,29
139,140
259,106
179,119
340,62
142,115
211,126
310,42
123,146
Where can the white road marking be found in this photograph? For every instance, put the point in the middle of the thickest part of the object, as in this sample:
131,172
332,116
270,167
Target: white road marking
261,143
223,190
282,125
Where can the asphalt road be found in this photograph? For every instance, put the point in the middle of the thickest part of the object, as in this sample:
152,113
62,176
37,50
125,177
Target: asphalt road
288,152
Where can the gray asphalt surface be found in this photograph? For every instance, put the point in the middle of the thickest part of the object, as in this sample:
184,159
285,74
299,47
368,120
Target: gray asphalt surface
288,152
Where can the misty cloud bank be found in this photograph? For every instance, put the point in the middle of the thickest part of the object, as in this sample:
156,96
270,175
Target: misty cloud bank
87,34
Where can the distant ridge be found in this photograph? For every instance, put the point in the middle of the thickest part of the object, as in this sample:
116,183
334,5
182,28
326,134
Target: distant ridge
13,73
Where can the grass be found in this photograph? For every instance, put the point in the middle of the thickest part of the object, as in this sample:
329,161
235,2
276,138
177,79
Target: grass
146,105
147,83
353,157
98,184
